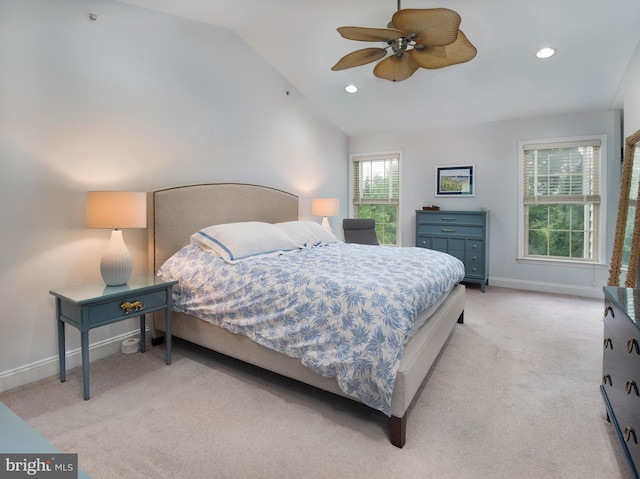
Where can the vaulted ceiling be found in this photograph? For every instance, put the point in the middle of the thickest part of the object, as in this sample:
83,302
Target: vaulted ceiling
594,41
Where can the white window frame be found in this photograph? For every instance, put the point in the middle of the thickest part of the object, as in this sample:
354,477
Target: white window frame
599,235
377,156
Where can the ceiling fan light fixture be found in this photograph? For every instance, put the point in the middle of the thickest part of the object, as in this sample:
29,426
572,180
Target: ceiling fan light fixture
545,52
416,38
351,88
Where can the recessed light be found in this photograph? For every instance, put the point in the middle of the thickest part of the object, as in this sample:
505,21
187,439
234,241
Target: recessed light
545,52
351,88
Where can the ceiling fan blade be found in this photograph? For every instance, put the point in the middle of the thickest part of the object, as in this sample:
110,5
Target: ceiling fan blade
396,69
365,34
431,26
359,57
443,56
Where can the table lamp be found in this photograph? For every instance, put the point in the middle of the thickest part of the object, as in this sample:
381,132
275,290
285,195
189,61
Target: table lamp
116,210
325,207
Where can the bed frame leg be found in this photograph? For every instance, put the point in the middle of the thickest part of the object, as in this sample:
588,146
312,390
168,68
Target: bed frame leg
397,430
461,318
157,341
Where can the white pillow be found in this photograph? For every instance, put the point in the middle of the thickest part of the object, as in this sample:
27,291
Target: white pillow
236,242
307,233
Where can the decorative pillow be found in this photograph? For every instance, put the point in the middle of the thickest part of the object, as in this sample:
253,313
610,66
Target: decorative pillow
307,233
236,242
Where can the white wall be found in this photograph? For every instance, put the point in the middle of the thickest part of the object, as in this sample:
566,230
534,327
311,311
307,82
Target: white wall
493,148
133,101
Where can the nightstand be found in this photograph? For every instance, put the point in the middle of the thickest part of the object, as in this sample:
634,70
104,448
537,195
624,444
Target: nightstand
93,305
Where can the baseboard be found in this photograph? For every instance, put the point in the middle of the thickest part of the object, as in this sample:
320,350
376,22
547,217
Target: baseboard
48,367
542,287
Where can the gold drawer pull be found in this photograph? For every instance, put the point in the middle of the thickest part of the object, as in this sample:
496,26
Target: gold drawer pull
631,386
424,242
633,343
629,432
475,258
135,306
474,246
449,218
608,343
448,230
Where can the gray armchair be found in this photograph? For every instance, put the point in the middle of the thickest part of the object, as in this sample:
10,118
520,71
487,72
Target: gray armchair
360,230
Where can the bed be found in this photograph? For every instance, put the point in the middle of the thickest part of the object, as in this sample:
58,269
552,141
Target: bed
175,214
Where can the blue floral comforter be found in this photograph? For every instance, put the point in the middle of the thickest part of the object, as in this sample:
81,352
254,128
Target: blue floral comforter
346,310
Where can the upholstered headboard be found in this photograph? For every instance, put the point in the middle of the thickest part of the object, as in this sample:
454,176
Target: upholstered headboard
174,214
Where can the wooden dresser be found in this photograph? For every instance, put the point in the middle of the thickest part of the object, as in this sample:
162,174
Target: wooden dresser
621,368
462,234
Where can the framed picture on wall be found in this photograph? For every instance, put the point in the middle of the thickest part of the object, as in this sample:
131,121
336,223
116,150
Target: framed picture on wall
455,180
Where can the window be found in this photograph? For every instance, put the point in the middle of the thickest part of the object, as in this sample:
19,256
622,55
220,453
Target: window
561,200
376,193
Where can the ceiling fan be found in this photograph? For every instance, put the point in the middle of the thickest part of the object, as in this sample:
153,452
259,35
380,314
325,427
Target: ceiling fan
417,38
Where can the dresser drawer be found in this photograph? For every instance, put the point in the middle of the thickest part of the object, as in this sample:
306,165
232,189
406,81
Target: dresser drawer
475,246
450,218
451,230
631,436
473,269
619,377
625,405
424,242
626,416
624,333
628,430
112,308
137,304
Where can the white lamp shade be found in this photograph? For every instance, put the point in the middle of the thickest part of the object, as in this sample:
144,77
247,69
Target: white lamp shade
325,206
116,209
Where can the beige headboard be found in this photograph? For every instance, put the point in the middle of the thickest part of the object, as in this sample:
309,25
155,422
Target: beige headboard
174,214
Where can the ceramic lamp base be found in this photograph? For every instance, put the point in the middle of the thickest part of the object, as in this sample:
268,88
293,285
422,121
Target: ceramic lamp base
325,223
116,263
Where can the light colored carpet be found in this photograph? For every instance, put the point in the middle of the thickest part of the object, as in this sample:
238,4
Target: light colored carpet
514,395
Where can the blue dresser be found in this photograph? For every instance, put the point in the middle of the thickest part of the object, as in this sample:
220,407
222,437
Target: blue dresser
621,369
462,234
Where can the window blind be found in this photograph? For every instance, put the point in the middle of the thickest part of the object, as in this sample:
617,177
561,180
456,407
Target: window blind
562,173
376,180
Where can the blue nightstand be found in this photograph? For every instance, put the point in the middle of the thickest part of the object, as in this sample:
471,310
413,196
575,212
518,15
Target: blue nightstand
93,305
